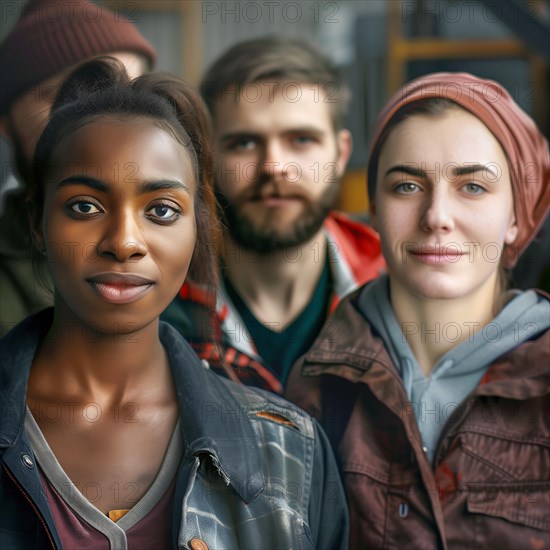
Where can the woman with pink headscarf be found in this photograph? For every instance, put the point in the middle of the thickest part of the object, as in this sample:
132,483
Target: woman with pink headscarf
433,382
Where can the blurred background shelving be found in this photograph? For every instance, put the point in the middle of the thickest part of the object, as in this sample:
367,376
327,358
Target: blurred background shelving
379,45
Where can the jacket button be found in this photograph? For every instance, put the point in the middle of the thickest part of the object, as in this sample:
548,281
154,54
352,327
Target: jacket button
27,461
206,365
403,510
198,544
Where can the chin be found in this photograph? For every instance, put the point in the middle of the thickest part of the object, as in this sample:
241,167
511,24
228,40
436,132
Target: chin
120,328
437,288
437,294
115,321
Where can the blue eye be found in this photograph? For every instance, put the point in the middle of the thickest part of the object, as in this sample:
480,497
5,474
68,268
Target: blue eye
243,144
303,140
474,189
406,188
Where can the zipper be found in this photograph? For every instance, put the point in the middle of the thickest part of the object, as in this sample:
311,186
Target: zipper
30,501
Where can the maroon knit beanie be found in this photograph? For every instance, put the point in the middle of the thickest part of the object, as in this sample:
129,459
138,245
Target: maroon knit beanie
524,146
53,35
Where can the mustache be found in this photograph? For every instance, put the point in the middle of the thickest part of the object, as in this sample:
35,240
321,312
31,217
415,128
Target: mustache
270,188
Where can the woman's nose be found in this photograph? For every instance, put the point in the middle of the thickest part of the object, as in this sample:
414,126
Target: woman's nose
123,238
438,215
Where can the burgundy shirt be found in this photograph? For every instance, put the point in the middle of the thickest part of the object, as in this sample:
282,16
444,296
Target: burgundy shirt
152,531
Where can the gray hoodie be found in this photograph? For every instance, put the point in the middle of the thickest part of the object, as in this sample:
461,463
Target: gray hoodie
434,398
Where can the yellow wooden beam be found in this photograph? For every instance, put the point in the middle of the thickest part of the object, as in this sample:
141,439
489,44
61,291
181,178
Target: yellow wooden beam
432,48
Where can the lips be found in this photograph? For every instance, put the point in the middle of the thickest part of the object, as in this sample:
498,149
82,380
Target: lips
120,288
438,258
439,254
277,200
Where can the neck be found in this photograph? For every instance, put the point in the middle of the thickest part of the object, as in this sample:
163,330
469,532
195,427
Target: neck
276,286
77,360
433,327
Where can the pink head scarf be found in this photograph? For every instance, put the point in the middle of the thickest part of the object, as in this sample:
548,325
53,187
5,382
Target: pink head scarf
524,145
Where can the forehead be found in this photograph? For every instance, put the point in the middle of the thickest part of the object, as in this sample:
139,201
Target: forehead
273,105
113,146
453,136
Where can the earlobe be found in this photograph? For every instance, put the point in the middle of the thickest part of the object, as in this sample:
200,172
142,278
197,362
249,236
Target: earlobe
372,218
345,147
511,234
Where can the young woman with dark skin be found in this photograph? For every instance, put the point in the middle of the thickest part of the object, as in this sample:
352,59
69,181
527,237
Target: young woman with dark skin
433,381
122,208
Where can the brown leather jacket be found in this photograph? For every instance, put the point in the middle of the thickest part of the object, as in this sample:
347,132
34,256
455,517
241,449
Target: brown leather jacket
490,483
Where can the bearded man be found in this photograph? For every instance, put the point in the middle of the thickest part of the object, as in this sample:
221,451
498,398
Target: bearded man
286,258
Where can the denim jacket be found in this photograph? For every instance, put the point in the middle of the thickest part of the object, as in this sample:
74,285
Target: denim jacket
257,472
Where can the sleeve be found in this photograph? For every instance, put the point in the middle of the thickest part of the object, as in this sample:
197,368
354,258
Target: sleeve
328,511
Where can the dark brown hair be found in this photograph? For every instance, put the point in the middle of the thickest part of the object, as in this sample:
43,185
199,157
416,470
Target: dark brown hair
275,59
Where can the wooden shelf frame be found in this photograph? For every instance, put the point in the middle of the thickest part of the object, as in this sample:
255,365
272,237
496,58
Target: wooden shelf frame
402,50
191,35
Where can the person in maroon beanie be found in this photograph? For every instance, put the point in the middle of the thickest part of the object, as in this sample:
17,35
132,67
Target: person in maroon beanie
49,40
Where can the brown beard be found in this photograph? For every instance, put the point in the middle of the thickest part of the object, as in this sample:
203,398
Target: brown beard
269,238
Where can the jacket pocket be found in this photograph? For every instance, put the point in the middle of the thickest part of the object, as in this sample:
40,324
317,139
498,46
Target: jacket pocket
507,490
498,459
526,504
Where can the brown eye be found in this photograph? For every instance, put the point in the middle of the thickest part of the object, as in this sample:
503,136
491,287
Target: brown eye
84,208
164,213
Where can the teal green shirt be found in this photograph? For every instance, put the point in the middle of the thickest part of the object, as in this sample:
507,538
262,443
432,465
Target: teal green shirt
280,349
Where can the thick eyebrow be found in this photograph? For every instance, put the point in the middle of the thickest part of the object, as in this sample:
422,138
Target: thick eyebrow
305,130
471,168
150,186
407,169
458,171
94,183
145,187
241,134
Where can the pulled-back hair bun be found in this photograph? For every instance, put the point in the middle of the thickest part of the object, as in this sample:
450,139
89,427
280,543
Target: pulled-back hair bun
90,77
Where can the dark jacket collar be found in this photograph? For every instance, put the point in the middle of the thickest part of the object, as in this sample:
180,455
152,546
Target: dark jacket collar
348,347
213,420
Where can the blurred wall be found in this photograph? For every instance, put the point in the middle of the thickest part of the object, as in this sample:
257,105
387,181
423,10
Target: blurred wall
190,34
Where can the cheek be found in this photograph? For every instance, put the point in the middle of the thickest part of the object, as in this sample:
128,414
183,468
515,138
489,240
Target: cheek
227,177
394,219
176,248
489,225
54,227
